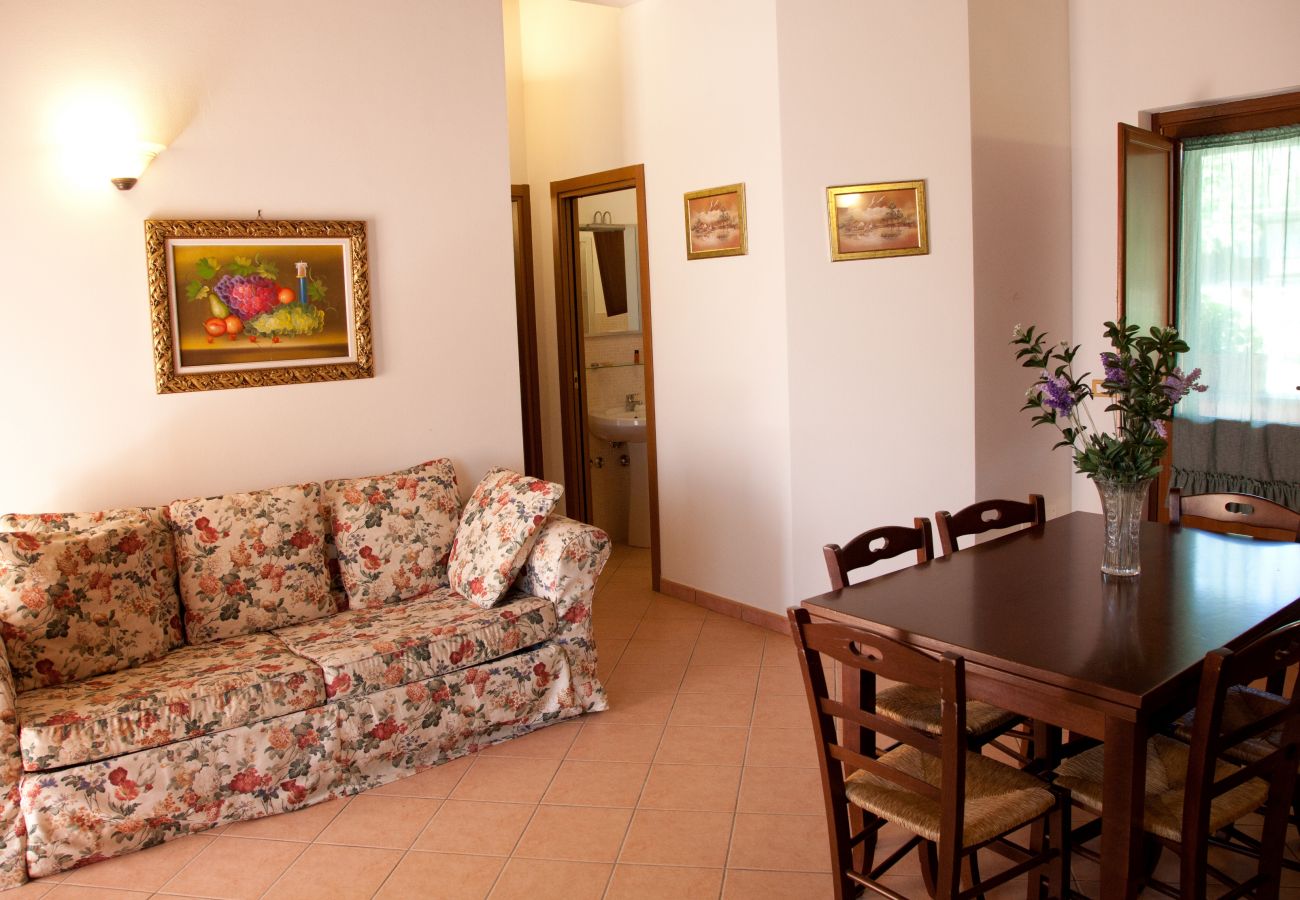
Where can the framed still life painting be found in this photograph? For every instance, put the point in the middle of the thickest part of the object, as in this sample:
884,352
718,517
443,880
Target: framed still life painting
874,220
715,222
246,303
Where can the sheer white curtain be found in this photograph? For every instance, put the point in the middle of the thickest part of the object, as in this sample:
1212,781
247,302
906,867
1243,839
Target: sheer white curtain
1239,278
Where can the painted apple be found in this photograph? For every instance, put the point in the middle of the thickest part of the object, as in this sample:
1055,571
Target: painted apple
215,326
286,295
234,324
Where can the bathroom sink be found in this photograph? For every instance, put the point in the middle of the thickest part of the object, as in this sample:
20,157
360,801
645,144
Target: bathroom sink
617,424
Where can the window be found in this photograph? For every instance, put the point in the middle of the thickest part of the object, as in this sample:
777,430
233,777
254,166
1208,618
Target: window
1239,273
1236,253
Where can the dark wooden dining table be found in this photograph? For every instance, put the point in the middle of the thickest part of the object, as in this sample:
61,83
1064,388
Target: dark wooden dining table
1045,634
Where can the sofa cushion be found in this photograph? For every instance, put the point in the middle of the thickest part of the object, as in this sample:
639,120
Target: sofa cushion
193,691
365,650
496,532
156,516
77,604
392,533
251,562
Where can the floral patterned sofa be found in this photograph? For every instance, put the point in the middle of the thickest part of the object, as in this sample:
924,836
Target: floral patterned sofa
167,670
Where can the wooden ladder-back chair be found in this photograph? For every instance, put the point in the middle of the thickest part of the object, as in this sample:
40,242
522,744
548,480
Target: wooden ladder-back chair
1200,780
1243,514
953,800
987,515
1263,520
908,703
875,545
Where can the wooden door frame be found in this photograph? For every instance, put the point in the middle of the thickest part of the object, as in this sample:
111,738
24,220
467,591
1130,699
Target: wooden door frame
530,402
572,363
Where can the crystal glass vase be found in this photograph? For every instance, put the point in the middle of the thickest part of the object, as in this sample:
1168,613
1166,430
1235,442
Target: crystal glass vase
1122,503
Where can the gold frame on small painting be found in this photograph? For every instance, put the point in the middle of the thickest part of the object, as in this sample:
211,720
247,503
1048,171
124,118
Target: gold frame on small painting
731,248
345,351
858,244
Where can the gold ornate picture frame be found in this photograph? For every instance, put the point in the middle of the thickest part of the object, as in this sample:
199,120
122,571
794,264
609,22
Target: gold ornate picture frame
253,302
868,221
716,222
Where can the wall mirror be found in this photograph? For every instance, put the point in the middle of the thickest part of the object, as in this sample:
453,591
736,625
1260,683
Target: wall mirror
609,277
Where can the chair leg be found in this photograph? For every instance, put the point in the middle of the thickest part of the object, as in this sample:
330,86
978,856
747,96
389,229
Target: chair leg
1037,841
1058,881
864,855
927,856
1151,850
971,866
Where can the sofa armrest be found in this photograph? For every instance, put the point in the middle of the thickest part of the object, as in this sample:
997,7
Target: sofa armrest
13,828
562,567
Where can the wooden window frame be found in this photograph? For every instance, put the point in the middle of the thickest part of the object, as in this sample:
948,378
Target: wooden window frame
1229,117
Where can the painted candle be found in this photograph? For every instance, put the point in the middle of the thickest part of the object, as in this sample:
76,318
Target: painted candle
302,282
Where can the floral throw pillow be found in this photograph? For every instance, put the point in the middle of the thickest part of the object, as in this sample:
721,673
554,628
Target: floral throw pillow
76,604
85,521
393,533
497,529
251,562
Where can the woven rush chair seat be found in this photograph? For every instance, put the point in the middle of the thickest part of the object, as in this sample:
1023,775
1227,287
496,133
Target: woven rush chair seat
920,708
1242,706
999,798
1165,789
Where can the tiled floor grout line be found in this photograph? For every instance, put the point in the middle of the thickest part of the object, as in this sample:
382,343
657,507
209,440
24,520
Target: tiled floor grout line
649,768
405,852
279,877
740,785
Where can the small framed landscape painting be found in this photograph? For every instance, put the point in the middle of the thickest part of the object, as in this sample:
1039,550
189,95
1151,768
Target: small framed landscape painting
715,222
246,303
873,220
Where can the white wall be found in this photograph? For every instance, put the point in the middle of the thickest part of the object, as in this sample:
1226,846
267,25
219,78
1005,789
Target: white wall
1020,181
702,110
300,109
1168,53
880,351
573,102
515,92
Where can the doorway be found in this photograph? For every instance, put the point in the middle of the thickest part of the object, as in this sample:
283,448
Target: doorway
605,355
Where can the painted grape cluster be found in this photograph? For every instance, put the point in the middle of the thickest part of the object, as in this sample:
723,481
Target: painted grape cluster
248,296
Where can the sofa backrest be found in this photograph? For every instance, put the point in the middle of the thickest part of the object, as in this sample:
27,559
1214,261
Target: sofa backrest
251,562
391,534
84,594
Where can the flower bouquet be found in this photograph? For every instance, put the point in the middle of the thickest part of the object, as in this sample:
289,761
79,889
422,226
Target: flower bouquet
1144,384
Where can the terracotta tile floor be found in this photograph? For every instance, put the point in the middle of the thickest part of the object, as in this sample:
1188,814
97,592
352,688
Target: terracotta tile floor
699,782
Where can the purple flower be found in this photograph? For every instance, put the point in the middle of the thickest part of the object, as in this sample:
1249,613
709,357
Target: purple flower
1177,385
1110,362
1161,427
1056,395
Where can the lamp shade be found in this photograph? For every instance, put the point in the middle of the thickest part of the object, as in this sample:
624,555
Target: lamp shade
130,161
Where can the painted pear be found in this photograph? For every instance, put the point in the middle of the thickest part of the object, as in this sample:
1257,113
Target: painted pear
219,309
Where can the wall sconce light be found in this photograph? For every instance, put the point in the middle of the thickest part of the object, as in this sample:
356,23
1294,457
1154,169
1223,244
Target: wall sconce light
132,162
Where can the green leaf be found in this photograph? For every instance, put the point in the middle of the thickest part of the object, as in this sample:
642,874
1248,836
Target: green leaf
242,266
267,269
316,290
207,267
195,289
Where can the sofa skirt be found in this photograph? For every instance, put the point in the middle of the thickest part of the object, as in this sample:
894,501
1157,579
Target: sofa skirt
83,814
